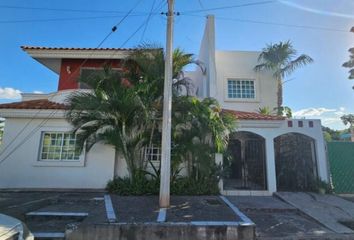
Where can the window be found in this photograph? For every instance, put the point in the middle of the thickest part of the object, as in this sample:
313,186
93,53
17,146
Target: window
238,88
59,146
152,153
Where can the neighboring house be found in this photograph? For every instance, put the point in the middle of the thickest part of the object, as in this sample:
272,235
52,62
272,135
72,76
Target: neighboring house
266,153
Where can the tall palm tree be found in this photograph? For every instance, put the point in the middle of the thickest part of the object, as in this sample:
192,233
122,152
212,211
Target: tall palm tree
282,60
350,63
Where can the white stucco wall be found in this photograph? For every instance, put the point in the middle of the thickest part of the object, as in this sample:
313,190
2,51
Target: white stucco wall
239,65
269,130
21,169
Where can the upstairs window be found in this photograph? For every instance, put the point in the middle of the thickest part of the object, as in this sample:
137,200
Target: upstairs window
241,88
59,146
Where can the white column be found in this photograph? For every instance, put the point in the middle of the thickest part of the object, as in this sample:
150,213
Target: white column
219,161
322,162
270,164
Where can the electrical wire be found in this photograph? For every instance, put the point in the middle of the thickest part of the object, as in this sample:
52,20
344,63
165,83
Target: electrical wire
232,6
66,19
28,136
148,18
60,9
273,23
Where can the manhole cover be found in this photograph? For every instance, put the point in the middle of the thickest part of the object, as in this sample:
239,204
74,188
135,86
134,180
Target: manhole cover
213,202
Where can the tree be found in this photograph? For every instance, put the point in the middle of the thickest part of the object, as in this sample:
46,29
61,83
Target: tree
124,109
282,60
348,119
350,63
264,111
111,113
200,129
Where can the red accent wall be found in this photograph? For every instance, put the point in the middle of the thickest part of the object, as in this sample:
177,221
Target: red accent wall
70,70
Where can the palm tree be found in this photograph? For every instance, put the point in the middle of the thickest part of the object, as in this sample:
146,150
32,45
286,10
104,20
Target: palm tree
349,119
200,129
282,60
350,63
124,109
111,113
264,111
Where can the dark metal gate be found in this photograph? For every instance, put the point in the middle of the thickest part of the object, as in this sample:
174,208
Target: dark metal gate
247,162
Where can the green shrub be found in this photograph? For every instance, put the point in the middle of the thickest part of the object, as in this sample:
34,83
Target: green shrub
144,186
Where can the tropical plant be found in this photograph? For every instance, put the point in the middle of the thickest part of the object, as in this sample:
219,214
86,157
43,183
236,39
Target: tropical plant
282,60
284,111
264,111
348,119
112,113
350,63
200,129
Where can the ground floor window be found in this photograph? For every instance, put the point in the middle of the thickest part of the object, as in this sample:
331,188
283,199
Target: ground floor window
59,146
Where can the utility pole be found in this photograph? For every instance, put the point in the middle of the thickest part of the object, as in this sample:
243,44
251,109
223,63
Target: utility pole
167,109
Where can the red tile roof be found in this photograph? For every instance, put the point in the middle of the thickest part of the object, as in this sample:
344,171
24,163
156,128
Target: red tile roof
73,48
46,104
34,104
252,115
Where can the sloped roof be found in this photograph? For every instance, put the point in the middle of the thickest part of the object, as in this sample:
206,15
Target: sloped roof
73,48
252,115
34,104
46,104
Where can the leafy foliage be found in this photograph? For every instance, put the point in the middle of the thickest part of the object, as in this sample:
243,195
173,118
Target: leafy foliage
112,113
350,63
281,58
125,110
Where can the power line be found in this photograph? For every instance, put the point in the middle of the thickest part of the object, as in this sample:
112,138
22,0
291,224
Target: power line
232,6
60,9
273,23
28,136
67,19
114,28
148,18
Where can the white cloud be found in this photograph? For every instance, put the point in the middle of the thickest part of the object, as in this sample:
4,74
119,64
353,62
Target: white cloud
307,112
329,117
9,93
38,92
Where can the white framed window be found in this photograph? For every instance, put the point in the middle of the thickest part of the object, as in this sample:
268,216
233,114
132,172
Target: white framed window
59,146
241,89
152,153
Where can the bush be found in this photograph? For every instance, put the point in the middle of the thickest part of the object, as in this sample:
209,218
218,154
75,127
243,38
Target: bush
144,186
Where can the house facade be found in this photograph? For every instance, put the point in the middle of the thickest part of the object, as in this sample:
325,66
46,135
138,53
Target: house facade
266,153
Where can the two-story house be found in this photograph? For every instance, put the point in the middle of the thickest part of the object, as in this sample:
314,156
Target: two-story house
266,153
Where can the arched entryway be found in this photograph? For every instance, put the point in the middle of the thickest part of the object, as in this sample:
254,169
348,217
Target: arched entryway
295,162
245,162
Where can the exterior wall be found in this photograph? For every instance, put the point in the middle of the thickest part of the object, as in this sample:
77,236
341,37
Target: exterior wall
269,130
69,70
206,82
21,169
236,64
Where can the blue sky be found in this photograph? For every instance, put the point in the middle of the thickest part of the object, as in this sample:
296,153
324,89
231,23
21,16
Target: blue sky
320,90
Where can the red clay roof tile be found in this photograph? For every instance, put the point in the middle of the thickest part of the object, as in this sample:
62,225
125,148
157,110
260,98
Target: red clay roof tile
46,104
252,115
34,104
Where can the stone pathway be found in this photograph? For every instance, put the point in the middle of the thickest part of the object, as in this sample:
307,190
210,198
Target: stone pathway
276,219
329,210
